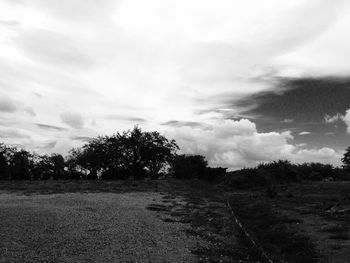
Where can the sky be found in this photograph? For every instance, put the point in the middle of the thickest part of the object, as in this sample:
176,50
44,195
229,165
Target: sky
239,81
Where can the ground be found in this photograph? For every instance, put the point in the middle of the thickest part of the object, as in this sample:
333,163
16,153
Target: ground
88,227
305,222
173,221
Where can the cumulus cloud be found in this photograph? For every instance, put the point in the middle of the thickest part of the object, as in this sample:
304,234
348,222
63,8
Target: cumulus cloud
236,144
334,118
74,120
346,119
339,117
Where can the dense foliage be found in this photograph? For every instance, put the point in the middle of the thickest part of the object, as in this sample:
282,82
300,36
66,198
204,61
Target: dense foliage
132,153
346,159
283,171
18,164
194,166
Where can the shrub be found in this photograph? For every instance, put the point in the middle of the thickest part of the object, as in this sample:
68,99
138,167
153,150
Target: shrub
244,178
194,167
188,166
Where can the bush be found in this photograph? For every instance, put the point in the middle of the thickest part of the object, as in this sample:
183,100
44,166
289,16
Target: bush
281,170
212,173
194,167
316,171
244,178
188,166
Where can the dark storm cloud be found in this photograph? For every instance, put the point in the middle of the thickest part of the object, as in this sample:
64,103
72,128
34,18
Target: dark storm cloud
302,100
49,127
301,105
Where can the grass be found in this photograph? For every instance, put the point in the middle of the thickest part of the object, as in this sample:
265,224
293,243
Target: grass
275,234
338,232
210,219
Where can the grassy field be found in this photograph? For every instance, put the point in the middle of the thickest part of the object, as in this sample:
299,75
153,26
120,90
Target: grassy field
307,222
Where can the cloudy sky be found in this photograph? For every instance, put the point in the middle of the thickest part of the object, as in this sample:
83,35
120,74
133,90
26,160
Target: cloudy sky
239,81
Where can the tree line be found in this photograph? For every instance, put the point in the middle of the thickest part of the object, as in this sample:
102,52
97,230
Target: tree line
138,154
131,154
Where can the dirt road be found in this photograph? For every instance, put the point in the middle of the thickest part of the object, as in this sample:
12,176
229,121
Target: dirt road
91,227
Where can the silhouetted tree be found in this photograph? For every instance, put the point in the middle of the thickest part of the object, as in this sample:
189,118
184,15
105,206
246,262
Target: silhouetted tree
42,168
21,165
57,164
134,152
188,166
316,171
346,159
79,160
5,155
281,170
194,166
159,152
145,151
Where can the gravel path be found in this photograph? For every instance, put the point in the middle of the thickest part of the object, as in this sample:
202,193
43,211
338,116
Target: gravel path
94,227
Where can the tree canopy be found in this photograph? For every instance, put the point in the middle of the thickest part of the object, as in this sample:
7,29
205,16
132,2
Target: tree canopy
131,153
346,159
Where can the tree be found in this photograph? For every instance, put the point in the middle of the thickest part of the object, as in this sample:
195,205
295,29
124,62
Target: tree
188,166
99,155
194,166
21,164
143,152
5,155
57,164
346,159
281,170
119,156
79,162
41,167
159,152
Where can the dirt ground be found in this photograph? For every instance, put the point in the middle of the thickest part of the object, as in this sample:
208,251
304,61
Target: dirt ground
89,227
